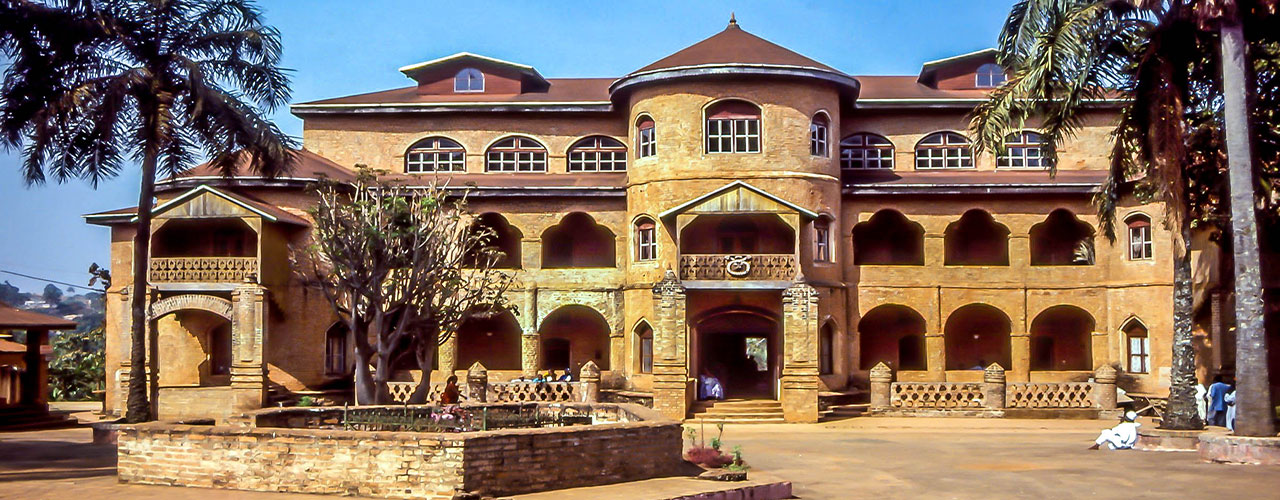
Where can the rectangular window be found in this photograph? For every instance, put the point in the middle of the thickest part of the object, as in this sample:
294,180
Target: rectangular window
646,354
822,243
735,135
1140,242
646,242
818,139
647,143
1139,354
335,355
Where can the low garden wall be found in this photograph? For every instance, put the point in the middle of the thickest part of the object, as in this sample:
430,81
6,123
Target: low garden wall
993,396
262,452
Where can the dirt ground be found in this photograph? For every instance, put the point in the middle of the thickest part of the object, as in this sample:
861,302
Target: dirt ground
859,458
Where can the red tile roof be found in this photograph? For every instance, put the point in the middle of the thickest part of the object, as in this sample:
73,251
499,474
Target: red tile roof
567,90
12,318
734,46
307,165
125,215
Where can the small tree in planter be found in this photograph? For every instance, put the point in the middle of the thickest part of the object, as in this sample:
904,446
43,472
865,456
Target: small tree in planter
403,267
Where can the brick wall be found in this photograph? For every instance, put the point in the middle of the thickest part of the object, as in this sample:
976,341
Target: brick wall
400,464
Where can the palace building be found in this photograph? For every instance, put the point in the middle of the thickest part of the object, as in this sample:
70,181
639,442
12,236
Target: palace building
734,208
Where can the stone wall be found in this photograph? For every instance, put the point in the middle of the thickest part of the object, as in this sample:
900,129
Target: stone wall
400,464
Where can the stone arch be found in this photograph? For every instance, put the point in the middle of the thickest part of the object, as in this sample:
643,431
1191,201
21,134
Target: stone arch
643,332
977,335
1061,338
493,340
888,238
578,241
1061,239
505,238
827,347
571,335
976,240
894,334
209,303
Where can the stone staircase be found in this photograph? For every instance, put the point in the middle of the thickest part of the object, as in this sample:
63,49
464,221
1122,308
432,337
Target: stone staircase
737,411
28,419
843,411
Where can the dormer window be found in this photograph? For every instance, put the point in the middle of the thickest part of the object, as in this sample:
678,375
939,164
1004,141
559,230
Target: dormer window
989,76
468,80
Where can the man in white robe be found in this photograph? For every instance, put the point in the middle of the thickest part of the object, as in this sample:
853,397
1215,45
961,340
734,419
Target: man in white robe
1121,437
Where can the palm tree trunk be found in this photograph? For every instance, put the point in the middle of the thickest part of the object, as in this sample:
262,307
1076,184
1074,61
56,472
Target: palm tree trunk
1181,413
138,408
1254,413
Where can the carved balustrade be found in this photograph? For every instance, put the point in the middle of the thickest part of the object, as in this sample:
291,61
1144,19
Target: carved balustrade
203,269
738,267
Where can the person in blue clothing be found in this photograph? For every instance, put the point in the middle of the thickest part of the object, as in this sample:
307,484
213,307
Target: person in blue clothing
1217,401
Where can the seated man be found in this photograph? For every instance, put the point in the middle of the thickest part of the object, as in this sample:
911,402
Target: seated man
1121,437
709,386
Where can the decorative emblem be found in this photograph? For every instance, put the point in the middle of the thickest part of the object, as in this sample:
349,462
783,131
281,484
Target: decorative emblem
737,265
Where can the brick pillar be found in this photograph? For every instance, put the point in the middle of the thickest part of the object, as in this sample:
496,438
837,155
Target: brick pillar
993,386
935,348
589,374
671,383
881,380
1100,349
1020,343
447,356
248,347
478,383
1104,387
33,381
800,361
124,341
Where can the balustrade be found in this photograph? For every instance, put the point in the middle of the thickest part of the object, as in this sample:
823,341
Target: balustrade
738,267
203,269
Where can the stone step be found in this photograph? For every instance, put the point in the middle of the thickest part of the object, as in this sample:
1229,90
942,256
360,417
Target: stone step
746,403
738,414
735,420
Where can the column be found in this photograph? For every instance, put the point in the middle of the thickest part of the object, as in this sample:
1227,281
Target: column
447,356
672,387
477,383
881,381
124,338
800,360
529,335
1104,386
248,341
1020,347
1100,349
590,377
993,386
935,348
33,390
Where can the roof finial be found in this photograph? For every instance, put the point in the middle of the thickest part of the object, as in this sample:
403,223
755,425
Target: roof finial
733,21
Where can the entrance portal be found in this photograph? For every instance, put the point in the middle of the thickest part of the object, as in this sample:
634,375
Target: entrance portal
740,348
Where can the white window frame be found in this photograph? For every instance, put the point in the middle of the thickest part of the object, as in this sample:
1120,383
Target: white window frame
944,151
646,240
1022,150
1138,352
468,77
523,155
989,76
1140,245
429,156
646,139
598,154
818,139
740,135
860,150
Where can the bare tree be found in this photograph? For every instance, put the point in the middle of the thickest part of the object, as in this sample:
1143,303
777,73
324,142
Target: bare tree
403,267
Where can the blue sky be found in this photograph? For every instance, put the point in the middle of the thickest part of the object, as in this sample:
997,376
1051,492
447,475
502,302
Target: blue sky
341,47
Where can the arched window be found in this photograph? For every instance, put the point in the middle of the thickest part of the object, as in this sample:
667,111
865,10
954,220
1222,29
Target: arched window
822,240
976,240
644,347
335,349
943,150
818,136
888,238
826,350
598,154
1138,346
516,154
220,350
866,151
502,245
989,75
733,127
468,80
646,239
1139,237
1061,240
577,241
435,154
646,140
1022,150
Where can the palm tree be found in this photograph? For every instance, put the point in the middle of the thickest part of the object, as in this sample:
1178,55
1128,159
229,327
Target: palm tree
1160,59
94,84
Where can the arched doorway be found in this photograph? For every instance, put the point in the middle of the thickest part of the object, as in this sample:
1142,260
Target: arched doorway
1060,339
977,335
893,334
193,348
572,335
741,347
493,340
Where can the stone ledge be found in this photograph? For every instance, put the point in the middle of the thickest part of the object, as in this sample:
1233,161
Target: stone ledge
1227,449
1156,439
926,412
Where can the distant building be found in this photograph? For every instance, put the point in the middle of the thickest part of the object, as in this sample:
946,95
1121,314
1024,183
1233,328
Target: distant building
733,198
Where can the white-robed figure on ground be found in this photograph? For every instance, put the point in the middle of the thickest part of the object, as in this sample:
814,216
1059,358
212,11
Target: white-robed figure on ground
1121,437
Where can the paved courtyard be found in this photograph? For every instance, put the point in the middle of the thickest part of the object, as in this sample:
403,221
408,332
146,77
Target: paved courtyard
857,458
